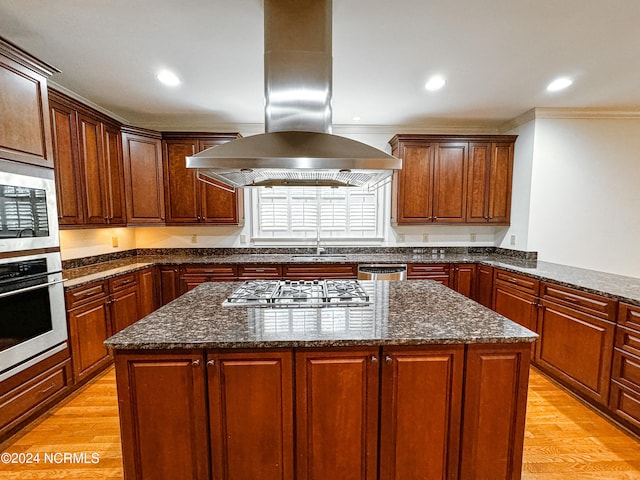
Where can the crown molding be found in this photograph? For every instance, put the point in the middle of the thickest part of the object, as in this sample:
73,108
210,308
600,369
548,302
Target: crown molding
89,103
571,114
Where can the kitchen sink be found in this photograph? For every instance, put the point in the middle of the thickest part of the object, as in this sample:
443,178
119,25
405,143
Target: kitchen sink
318,258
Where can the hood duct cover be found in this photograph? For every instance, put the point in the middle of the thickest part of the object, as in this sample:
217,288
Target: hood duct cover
298,148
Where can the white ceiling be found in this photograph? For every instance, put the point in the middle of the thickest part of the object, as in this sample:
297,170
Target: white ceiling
497,55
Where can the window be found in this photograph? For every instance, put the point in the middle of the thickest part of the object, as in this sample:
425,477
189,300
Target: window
293,213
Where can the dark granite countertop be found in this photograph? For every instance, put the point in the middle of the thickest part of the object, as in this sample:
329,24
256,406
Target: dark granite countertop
419,312
618,287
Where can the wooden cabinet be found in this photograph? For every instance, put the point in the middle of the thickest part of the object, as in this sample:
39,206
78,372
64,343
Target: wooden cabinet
251,434
495,400
89,320
187,199
452,179
259,271
440,272
25,135
516,297
169,279
163,415
421,406
193,275
337,414
88,165
483,292
148,291
124,301
489,183
464,279
313,271
143,176
576,340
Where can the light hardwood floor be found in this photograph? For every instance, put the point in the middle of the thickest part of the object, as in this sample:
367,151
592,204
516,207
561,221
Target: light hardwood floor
564,439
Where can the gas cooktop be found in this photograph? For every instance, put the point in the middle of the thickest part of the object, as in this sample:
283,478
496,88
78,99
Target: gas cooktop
299,293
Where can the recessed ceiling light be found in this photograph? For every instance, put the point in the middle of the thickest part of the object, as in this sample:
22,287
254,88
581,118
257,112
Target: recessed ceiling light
435,83
559,84
356,119
168,78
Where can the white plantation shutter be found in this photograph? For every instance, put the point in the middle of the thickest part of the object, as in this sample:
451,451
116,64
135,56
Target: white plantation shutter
301,212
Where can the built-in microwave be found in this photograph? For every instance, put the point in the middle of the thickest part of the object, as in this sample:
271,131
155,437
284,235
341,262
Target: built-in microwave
28,215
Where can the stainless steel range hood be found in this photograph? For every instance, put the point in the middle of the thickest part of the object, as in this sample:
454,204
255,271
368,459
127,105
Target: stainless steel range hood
298,148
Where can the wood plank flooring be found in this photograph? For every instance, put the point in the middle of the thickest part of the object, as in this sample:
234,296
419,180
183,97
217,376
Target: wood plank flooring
564,439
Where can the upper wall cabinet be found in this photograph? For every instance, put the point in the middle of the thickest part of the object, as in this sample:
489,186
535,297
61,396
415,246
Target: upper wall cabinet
187,199
25,131
144,187
88,165
452,179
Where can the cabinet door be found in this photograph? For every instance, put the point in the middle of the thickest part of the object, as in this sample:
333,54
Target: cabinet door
577,349
124,308
500,180
91,155
67,167
25,135
495,400
518,306
484,286
147,291
113,189
415,183
142,156
337,414
251,434
163,416
478,182
169,284
465,279
218,205
182,201
450,182
420,412
89,327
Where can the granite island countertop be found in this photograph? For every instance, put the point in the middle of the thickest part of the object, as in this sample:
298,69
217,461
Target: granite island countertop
419,312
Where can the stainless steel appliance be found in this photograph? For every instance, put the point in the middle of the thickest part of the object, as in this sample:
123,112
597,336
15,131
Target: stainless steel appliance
382,272
32,312
28,215
300,293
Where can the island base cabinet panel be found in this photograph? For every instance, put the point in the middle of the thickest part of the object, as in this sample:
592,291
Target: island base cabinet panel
576,349
251,415
420,413
163,419
337,414
495,402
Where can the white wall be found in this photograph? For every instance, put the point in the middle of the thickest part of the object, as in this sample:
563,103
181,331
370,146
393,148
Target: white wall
585,194
88,242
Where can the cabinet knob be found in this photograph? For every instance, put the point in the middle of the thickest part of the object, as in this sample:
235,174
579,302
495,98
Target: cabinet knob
388,359
195,363
374,359
211,363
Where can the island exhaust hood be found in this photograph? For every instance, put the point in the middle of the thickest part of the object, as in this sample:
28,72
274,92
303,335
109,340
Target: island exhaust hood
298,148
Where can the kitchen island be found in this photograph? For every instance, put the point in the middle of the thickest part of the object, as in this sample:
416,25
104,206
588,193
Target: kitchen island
419,383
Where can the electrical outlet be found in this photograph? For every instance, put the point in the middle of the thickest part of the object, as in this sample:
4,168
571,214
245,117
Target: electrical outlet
243,239
473,237
194,238
114,242
401,237
425,237
513,239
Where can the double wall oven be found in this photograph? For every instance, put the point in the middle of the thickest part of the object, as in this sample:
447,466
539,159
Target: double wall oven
32,312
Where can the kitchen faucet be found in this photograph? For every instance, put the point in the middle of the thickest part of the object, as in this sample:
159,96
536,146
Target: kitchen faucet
319,249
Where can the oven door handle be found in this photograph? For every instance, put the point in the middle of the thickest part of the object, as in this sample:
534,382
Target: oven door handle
29,289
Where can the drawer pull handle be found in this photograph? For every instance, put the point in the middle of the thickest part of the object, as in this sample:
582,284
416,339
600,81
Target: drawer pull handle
49,388
195,363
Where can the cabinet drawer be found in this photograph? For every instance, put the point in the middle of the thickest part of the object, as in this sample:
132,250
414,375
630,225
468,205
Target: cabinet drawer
585,302
18,402
625,404
122,281
628,340
246,272
629,316
314,271
626,369
227,271
85,294
521,282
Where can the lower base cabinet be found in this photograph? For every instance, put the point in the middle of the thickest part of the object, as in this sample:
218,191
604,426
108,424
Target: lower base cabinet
358,413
